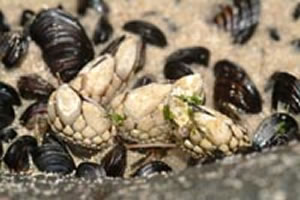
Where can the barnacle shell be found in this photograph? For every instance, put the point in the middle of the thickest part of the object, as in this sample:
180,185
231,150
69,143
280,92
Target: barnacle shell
64,43
77,120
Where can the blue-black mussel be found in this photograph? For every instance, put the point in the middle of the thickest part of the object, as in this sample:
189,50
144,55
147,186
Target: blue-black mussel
65,45
89,170
98,5
35,117
53,157
142,81
114,162
240,19
4,26
8,98
26,17
149,32
151,168
234,91
33,86
178,63
103,31
13,48
277,129
285,92
17,156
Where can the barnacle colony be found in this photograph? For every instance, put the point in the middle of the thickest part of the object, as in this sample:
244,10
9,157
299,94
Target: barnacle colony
96,106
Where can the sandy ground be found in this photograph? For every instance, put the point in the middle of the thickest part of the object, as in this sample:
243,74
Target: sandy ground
260,57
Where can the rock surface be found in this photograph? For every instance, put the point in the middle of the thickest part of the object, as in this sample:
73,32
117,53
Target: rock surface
272,175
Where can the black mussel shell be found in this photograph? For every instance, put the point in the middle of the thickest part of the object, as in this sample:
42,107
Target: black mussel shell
152,168
26,17
13,47
114,162
98,5
89,170
150,33
234,89
34,115
103,31
113,46
277,129
8,95
65,45
285,91
296,44
176,70
296,13
7,115
240,19
274,34
8,134
17,154
53,157
144,80
4,27
191,55
33,86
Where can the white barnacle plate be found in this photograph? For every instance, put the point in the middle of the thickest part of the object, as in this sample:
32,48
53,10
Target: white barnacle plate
78,120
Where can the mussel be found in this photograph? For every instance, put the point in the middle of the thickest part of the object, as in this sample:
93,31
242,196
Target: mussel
4,27
65,45
176,70
240,19
53,157
142,81
152,168
33,86
13,47
234,91
296,12
89,170
17,154
27,17
98,5
36,116
103,31
8,134
8,95
285,92
190,55
114,162
178,63
274,34
277,129
149,32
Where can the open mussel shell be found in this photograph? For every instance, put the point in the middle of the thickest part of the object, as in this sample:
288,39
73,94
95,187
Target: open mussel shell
149,32
240,19
89,170
13,47
17,155
277,129
190,55
114,162
285,92
8,95
33,86
103,31
234,90
53,157
151,168
65,45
